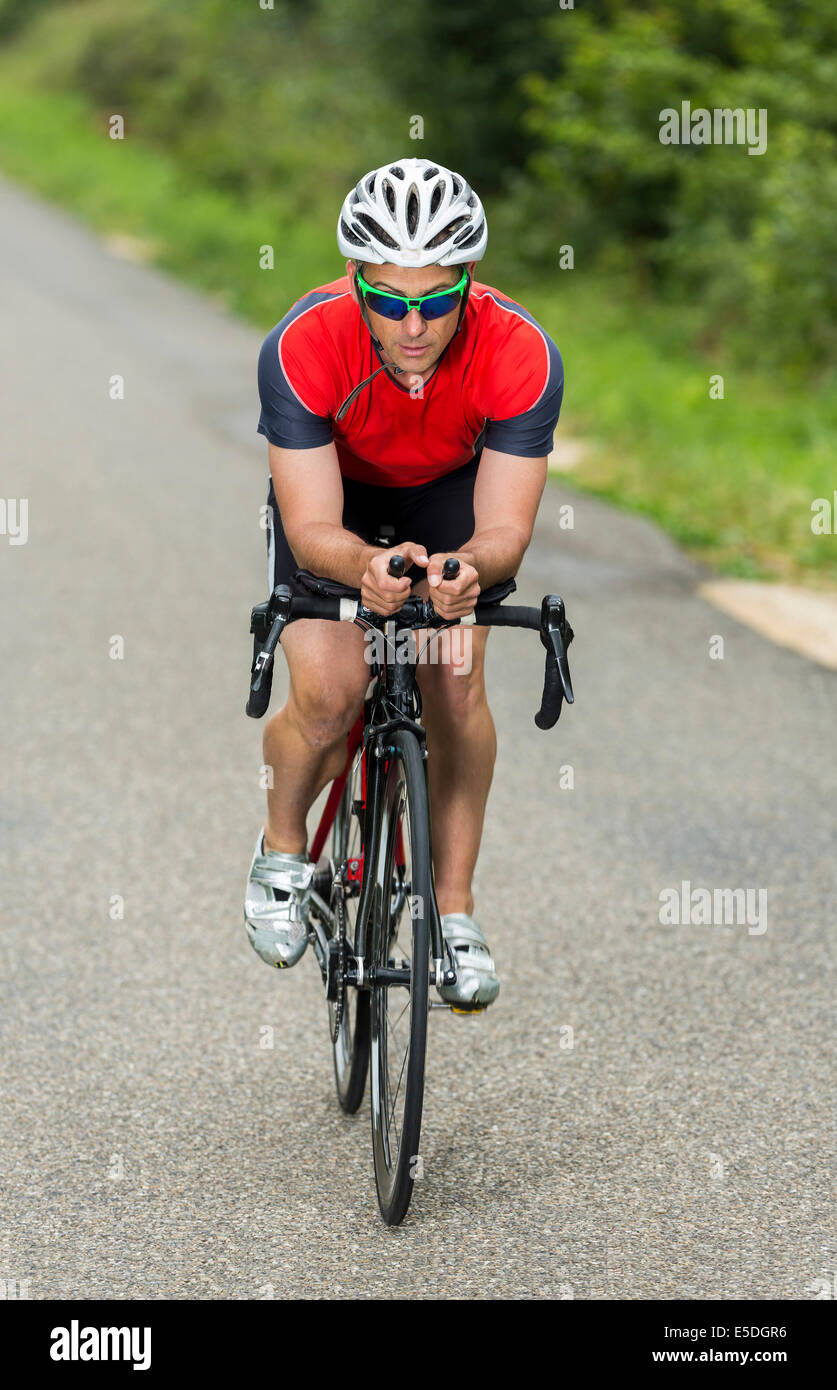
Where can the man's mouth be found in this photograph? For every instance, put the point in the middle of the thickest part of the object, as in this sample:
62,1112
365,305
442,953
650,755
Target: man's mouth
413,351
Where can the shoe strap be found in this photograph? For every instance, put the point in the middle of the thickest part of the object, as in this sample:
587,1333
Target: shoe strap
275,916
459,929
276,870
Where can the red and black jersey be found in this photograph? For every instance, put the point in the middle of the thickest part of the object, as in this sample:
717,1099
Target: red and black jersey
499,384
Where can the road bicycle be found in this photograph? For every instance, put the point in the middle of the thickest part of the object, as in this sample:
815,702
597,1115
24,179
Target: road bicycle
374,923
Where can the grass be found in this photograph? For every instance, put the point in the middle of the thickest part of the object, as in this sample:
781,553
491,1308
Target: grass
732,480
55,145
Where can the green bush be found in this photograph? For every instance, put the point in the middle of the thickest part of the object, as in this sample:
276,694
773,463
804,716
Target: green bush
243,99
16,14
752,239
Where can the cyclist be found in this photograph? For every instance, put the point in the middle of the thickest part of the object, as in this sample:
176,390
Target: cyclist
404,404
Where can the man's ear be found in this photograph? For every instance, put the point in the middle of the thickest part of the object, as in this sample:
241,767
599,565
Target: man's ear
351,268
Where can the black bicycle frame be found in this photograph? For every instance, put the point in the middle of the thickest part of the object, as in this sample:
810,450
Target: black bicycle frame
398,691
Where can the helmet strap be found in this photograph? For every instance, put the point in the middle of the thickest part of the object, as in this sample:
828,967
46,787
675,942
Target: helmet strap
378,344
352,396
463,306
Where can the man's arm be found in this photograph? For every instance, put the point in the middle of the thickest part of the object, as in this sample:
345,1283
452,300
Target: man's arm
524,394
507,493
308,484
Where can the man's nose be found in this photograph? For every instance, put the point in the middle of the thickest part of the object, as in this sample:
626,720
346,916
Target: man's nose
414,323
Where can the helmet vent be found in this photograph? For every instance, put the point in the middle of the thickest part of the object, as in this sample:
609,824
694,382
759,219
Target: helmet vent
370,183
435,199
457,187
351,233
377,231
412,211
430,173
472,240
441,237
389,195
396,170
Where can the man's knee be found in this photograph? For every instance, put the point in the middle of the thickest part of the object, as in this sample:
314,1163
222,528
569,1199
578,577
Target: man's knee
324,713
449,694
328,680
454,683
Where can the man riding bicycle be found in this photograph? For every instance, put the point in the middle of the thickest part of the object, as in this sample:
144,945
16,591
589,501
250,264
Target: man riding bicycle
405,405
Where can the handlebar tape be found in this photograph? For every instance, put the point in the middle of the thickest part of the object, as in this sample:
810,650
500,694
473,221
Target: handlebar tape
553,695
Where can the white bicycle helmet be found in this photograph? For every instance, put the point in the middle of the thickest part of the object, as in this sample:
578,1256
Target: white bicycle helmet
412,213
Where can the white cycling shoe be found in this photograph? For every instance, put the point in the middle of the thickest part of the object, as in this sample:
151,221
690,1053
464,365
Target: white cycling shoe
276,905
477,984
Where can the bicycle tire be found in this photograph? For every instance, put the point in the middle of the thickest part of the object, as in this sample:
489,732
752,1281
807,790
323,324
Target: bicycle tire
400,916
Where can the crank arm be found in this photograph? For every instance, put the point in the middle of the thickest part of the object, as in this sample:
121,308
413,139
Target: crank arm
319,941
322,908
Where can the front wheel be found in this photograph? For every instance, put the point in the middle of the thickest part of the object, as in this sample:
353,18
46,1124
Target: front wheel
400,1004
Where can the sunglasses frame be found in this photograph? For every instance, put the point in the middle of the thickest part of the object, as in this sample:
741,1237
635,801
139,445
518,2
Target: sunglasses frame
366,288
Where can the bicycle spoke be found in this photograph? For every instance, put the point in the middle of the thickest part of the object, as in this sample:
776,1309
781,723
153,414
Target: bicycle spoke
391,1121
393,1023
398,1087
399,1046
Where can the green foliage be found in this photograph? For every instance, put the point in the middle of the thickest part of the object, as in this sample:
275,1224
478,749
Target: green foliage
751,238
242,98
459,65
16,14
732,479
552,113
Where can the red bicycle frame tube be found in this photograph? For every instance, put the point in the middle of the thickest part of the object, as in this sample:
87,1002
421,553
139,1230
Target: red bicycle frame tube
354,739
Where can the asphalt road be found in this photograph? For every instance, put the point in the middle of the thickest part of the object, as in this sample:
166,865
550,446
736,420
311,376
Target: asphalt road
152,1144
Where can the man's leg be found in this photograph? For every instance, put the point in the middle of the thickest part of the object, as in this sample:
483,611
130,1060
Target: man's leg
462,746
305,742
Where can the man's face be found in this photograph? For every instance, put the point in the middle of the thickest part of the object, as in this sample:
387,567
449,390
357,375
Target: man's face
414,343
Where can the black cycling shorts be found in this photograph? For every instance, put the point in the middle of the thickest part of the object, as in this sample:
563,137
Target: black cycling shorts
438,515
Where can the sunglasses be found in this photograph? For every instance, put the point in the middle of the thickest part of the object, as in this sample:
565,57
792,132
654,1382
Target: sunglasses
397,306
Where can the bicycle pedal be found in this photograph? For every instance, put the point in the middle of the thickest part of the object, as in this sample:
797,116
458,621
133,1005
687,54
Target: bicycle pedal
471,1009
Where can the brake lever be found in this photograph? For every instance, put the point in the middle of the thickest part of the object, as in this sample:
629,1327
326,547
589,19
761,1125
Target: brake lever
556,635
265,656
261,675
